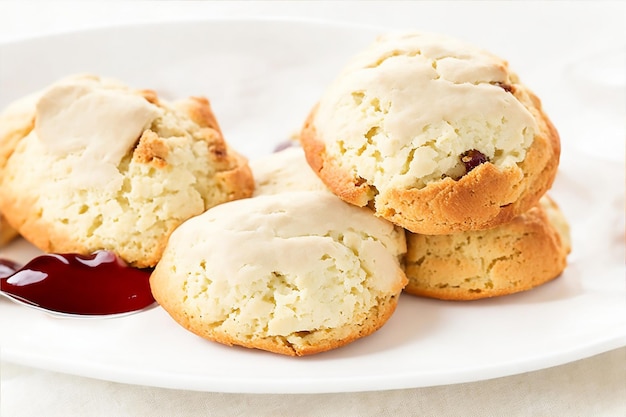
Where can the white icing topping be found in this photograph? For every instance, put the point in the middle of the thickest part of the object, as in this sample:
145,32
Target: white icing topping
284,171
92,124
405,109
284,263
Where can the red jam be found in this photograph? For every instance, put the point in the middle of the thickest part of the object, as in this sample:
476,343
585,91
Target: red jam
96,284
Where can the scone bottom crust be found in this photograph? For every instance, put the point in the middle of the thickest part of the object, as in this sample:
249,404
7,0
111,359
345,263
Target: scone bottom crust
525,253
284,276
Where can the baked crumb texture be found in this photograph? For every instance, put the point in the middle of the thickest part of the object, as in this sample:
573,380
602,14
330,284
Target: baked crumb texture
294,273
528,251
91,164
433,134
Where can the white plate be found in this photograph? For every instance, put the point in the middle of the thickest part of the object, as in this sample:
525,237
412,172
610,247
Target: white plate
262,78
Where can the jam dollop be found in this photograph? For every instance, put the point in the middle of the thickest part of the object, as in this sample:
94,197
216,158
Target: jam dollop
96,284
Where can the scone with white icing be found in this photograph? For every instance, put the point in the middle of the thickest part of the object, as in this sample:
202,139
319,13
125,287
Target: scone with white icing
294,273
527,252
434,134
283,172
89,163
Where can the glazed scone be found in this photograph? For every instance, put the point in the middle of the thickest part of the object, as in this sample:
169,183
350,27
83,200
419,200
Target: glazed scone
295,276
435,135
529,251
98,165
284,171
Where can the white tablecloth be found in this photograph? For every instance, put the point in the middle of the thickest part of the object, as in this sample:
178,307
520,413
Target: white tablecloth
553,33
590,387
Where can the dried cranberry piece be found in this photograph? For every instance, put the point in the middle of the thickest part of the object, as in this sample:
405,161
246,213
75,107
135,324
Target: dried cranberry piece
472,158
506,87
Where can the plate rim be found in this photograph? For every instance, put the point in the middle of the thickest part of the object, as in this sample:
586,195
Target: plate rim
338,23
611,342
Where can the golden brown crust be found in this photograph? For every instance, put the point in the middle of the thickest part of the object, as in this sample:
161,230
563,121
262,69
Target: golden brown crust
13,127
200,111
219,277
326,339
517,256
12,130
167,293
151,96
7,233
483,198
151,149
18,216
238,182
51,239
342,183
321,340
225,176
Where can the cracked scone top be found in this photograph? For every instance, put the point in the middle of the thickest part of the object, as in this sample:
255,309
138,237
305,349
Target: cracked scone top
284,171
294,273
90,164
434,134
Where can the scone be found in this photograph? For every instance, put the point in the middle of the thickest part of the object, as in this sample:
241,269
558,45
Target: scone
435,135
7,233
295,276
15,123
284,171
97,165
517,256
